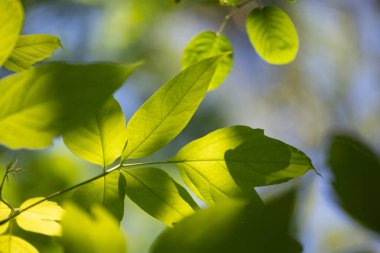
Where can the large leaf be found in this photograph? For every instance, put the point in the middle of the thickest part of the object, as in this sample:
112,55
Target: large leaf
5,211
43,218
11,18
37,105
98,233
31,49
163,116
272,34
203,167
14,244
356,169
101,138
205,45
108,191
158,194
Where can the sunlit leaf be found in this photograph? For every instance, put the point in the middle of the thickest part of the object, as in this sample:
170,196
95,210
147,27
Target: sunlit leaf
205,45
229,2
356,169
108,191
164,115
5,211
37,105
11,18
98,233
43,218
101,138
31,49
14,244
158,194
273,35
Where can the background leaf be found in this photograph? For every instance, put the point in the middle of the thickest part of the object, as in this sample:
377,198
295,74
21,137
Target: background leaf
14,244
158,194
30,49
101,138
229,2
5,211
273,35
208,44
164,115
11,18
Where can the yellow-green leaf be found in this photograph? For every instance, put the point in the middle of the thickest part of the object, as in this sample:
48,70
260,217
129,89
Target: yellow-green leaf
101,138
43,218
208,44
273,35
5,211
229,2
31,49
14,244
11,18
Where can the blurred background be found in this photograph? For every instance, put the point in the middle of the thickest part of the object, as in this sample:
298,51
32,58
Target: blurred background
333,86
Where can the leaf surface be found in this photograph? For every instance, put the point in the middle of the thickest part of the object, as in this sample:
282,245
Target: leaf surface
14,244
5,211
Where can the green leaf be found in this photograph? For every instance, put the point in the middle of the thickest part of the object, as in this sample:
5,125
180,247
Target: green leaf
265,161
205,45
231,226
109,191
43,218
37,105
273,35
101,138
164,115
31,49
98,233
158,194
356,169
203,167
11,18
14,244
5,211
229,2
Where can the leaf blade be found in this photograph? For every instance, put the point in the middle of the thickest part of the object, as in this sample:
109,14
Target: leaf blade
15,244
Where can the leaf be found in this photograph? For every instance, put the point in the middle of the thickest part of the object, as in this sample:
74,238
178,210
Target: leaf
164,115
265,161
43,218
5,211
37,105
208,44
158,194
229,2
98,233
14,244
109,191
11,18
31,49
203,167
273,35
101,138
356,169
230,226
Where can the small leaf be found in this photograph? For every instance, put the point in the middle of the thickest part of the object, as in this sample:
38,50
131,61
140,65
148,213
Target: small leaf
14,244
43,218
164,115
158,194
208,44
229,2
5,211
109,191
356,169
101,138
273,35
31,49
11,18
98,233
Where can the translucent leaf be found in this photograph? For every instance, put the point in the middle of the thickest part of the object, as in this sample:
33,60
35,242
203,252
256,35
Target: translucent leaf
163,116
98,233
14,244
5,211
109,191
31,49
37,105
273,35
43,218
203,167
11,18
208,44
101,138
158,194
356,170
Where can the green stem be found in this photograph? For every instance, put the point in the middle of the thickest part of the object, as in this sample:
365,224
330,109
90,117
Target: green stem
229,15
